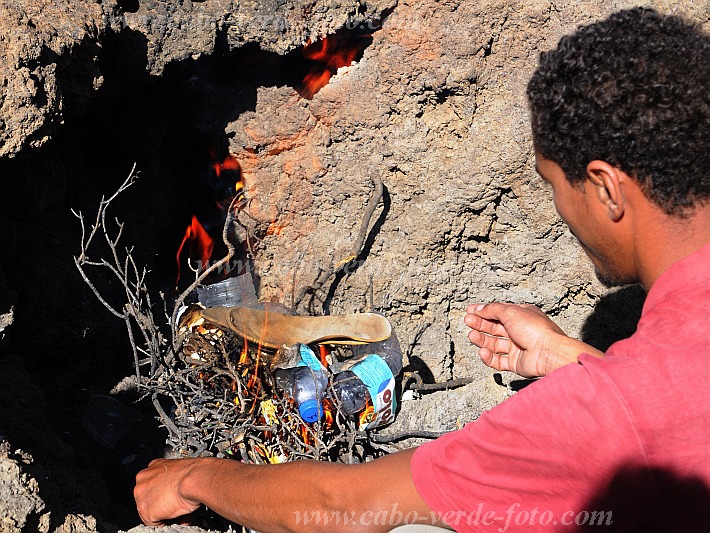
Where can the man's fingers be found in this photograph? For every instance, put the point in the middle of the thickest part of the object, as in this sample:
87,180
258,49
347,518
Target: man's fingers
496,312
474,321
147,521
493,360
499,311
496,345
490,310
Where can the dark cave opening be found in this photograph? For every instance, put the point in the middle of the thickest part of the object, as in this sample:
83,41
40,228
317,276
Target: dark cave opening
172,127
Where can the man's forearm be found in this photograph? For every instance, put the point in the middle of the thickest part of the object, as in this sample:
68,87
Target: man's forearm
269,497
567,350
296,496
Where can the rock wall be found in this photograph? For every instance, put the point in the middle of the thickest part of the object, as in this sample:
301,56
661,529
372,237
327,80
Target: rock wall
435,109
49,49
177,30
38,40
7,306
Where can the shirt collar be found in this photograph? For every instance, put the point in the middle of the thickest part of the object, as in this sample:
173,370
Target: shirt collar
692,270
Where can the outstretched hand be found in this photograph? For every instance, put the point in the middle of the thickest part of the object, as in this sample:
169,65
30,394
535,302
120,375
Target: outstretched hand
521,339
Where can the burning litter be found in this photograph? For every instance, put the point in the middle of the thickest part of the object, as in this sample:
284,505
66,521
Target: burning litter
264,385
232,376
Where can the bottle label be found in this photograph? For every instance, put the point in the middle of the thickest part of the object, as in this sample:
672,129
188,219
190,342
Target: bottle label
309,359
380,383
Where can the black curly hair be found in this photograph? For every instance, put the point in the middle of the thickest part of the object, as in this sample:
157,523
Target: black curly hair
631,90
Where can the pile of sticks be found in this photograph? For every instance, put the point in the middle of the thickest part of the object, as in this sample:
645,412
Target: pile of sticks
213,392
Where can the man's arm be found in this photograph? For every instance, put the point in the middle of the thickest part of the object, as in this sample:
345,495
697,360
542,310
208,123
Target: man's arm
295,496
521,339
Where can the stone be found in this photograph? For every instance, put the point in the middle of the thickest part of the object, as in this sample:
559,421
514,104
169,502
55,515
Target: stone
19,494
39,40
8,300
51,50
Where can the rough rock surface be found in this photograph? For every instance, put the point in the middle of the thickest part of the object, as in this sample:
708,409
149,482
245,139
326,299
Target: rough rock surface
8,299
52,49
178,30
46,490
168,529
436,109
19,492
21,505
38,41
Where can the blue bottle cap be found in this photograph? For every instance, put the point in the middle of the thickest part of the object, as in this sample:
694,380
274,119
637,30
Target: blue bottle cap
310,411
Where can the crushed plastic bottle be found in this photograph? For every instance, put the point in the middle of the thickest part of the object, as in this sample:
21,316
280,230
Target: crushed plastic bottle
237,291
306,383
371,379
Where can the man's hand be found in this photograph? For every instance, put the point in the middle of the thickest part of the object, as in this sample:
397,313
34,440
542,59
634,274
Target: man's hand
276,497
521,339
158,492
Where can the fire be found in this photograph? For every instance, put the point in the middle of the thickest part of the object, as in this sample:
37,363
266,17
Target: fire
328,410
366,416
328,55
305,433
244,355
231,169
229,163
323,352
197,242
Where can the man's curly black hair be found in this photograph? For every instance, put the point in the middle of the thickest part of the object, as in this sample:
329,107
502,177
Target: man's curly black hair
631,90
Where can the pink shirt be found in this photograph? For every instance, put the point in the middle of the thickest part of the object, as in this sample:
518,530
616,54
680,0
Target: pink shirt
620,443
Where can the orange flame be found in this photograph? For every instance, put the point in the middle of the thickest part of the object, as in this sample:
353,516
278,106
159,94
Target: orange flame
198,242
306,434
229,163
244,356
328,410
323,352
367,415
328,56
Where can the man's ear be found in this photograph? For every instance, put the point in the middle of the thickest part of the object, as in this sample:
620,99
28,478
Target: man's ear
607,181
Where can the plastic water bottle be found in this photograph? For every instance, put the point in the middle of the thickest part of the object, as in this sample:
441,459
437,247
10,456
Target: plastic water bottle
372,378
306,383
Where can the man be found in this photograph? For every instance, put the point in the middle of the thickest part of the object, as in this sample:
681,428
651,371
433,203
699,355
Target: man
620,117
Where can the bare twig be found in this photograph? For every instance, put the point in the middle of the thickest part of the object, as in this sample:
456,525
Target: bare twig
325,274
420,386
223,398
394,437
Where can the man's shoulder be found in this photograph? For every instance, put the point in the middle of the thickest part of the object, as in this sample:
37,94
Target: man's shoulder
655,374
672,337
683,289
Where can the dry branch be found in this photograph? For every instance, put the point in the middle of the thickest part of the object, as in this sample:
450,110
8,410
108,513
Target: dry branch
356,249
214,394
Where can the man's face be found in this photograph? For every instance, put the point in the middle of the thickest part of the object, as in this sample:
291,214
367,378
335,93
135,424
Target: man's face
585,215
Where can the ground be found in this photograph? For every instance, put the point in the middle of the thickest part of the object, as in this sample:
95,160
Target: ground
434,108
